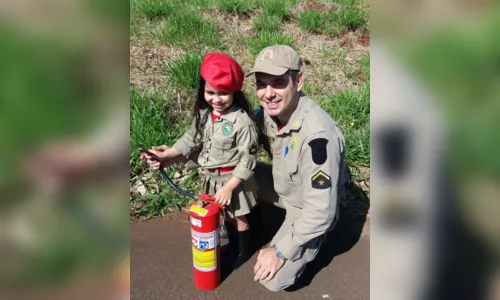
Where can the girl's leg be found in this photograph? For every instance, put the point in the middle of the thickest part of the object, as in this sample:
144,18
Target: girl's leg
245,245
242,223
231,248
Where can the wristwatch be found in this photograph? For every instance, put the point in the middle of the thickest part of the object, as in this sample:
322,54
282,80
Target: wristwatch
278,253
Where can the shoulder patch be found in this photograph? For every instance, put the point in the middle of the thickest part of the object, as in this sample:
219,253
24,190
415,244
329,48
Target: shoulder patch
321,181
318,150
253,149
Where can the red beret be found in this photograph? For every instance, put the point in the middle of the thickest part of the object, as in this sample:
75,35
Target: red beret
222,72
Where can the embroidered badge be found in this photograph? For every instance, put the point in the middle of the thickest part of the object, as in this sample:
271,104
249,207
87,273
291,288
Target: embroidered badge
268,55
292,144
253,149
318,150
321,181
286,151
227,128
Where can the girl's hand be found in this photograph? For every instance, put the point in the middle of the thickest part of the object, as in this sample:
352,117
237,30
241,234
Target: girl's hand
223,196
163,157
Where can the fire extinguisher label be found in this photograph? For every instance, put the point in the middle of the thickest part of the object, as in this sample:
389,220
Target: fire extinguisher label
205,241
205,261
204,247
199,210
196,222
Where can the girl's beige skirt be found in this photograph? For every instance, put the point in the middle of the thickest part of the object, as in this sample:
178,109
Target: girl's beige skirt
243,198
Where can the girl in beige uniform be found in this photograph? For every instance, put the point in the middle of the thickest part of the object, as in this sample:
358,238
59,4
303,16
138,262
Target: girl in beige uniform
223,140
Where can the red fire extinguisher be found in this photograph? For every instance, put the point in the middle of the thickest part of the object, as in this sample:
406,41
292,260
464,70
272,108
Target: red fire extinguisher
205,236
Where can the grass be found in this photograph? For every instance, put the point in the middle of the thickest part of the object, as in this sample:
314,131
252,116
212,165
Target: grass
272,14
266,22
361,72
338,55
151,9
349,16
160,117
264,39
351,110
311,90
189,29
151,124
365,67
278,8
239,7
312,21
184,72
460,66
352,17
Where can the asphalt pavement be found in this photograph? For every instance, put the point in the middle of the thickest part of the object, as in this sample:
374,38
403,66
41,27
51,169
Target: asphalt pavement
161,263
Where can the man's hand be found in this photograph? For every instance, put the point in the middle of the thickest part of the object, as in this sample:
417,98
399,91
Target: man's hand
223,196
267,265
164,157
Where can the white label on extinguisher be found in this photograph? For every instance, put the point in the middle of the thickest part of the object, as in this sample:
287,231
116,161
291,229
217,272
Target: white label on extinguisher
196,222
205,241
204,250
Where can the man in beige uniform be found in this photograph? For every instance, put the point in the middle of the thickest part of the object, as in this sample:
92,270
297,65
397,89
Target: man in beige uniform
308,170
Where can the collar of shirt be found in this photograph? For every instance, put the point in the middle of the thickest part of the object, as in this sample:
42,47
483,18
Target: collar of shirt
230,115
296,119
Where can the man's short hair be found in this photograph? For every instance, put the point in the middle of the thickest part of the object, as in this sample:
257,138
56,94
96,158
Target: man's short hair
294,74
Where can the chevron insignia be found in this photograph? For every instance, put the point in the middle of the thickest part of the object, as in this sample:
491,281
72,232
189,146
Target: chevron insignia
321,181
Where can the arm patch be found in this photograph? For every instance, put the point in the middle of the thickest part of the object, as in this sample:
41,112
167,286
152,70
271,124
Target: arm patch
321,181
318,150
253,149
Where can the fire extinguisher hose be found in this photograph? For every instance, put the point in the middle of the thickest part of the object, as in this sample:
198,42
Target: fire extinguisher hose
175,187
203,197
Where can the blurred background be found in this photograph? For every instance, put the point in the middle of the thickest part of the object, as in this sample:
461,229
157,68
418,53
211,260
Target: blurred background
435,173
64,145
64,132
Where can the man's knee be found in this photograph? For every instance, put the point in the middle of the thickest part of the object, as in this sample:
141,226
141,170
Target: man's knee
280,281
275,286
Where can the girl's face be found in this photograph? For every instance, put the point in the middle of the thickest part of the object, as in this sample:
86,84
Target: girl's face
220,101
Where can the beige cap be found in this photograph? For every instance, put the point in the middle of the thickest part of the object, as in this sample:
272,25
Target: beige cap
276,60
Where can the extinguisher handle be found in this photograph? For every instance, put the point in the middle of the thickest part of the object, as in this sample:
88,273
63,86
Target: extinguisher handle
210,199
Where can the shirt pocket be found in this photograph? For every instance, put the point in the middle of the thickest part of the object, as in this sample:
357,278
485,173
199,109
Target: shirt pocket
223,147
291,173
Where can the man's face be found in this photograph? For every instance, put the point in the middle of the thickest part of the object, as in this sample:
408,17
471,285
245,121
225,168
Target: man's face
278,94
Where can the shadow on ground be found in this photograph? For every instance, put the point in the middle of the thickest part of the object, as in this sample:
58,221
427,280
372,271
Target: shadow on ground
464,262
352,217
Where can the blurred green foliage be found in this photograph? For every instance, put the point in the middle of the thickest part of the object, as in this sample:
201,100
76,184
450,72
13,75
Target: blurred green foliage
52,89
460,63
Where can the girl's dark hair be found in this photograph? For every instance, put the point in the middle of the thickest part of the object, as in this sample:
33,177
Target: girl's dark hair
200,103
